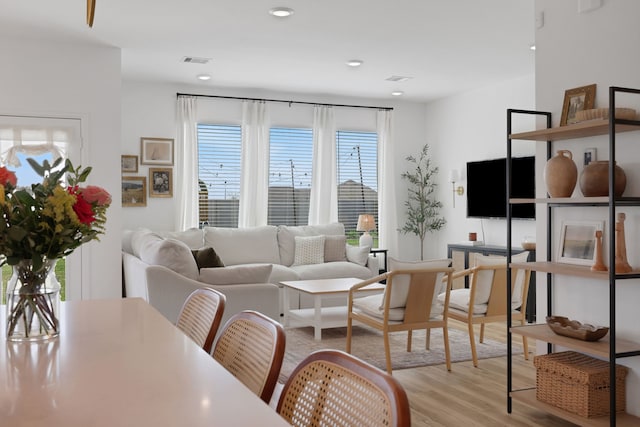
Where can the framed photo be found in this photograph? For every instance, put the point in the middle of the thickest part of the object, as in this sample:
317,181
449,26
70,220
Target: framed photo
134,191
577,99
590,155
156,151
129,164
578,242
160,182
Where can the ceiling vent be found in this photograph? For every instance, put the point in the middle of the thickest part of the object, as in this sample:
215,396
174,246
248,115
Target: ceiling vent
398,78
195,60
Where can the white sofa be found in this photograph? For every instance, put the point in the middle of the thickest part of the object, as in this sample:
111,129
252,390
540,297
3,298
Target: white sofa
161,268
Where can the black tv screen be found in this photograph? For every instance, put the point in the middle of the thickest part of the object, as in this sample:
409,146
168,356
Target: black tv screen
487,188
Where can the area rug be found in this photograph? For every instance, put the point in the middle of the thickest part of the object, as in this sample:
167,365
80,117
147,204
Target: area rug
367,344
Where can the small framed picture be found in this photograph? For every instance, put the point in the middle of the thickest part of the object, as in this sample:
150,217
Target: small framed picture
134,191
577,99
590,155
578,242
129,164
156,151
160,182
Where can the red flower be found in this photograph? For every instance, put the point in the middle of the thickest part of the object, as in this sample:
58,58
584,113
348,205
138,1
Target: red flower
6,176
81,207
95,194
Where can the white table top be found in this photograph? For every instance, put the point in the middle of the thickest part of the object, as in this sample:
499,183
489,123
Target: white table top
329,286
116,363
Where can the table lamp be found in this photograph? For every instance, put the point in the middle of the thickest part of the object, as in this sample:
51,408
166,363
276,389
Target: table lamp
366,223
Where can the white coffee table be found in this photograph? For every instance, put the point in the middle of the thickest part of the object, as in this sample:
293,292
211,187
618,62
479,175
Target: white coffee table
321,317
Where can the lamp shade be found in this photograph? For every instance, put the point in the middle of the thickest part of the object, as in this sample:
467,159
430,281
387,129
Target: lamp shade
366,222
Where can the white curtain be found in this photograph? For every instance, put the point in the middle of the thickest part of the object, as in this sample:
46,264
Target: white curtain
387,216
323,201
254,181
187,164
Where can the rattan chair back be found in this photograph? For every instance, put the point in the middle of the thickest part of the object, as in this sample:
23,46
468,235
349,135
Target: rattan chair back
201,315
251,346
333,388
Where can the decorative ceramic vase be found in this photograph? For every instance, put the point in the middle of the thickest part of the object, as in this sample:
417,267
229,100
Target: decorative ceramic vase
594,179
33,302
560,174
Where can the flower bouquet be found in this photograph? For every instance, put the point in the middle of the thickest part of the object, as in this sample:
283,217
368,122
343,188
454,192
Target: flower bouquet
38,225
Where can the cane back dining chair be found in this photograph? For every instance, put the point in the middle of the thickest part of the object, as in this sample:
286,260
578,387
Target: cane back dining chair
409,302
251,346
485,301
200,316
333,388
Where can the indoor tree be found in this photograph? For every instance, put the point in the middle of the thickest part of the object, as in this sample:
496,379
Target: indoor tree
422,208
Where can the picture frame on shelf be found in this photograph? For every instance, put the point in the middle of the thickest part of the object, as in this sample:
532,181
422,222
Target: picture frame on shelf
129,164
160,182
590,155
577,242
156,151
134,191
577,99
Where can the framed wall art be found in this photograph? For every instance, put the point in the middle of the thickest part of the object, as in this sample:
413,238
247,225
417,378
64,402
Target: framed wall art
134,191
577,243
129,164
156,151
577,99
160,182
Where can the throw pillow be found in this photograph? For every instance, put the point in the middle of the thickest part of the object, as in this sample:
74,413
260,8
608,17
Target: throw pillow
400,286
309,250
170,253
357,254
236,274
207,258
335,248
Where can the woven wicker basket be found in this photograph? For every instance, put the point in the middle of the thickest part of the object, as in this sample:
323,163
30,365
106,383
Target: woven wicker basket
578,383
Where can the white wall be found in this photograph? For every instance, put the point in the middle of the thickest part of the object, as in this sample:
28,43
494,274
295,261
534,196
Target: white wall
575,50
471,127
64,80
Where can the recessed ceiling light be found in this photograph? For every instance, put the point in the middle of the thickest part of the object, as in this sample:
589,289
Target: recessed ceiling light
281,12
204,77
397,93
354,63
532,47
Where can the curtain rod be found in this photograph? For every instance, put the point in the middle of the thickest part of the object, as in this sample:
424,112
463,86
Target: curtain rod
284,101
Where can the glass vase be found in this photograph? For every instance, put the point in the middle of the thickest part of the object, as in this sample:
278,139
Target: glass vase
33,302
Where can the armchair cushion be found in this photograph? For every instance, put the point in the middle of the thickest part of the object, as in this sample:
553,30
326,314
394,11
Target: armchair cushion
459,300
236,274
400,286
309,250
371,305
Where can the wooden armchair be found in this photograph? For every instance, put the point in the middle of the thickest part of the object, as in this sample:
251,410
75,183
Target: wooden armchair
409,303
485,300
201,315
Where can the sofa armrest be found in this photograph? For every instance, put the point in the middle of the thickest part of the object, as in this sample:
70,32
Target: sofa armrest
373,265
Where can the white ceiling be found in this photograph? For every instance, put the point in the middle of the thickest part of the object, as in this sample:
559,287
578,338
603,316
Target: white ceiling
447,46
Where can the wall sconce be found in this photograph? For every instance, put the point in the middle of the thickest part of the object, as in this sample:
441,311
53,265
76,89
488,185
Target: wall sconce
459,190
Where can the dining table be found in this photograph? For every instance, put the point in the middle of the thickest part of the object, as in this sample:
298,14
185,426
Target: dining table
119,362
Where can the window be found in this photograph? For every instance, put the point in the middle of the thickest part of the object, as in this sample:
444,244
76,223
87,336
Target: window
290,158
357,178
219,154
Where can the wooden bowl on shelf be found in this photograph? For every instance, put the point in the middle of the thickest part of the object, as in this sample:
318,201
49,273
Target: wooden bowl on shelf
573,329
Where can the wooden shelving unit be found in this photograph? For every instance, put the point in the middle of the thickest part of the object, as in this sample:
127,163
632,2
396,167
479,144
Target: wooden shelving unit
610,348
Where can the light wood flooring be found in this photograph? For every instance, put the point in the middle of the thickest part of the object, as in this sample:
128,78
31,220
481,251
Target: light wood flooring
469,396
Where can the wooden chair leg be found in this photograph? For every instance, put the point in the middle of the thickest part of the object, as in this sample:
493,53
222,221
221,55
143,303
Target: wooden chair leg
349,323
447,353
481,332
409,340
525,347
427,343
387,350
473,345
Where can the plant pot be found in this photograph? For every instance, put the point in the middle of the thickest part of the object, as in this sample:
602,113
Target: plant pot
560,174
594,179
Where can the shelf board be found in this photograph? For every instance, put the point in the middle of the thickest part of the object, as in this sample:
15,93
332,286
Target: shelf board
599,348
577,130
582,201
571,270
528,397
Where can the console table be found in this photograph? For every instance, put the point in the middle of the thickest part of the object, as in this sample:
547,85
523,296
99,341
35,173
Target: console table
463,255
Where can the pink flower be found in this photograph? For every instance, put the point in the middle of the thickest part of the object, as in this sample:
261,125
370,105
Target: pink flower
6,176
95,194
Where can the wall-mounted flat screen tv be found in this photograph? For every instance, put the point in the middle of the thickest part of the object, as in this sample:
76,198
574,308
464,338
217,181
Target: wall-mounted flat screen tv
487,188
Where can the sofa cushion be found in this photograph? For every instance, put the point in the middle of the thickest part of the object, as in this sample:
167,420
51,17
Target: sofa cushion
282,273
170,253
193,237
244,245
207,258
236,274
137,238
358,254
309,250
286,237
335,248
400,287
333,270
